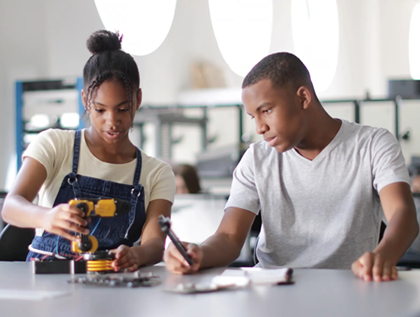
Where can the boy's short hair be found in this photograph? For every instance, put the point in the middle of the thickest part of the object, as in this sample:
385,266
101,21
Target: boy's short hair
285,70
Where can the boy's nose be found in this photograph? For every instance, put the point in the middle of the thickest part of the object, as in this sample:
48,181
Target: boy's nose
261,127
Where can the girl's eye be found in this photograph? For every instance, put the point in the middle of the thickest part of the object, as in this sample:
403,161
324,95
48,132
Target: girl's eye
99,110
123,109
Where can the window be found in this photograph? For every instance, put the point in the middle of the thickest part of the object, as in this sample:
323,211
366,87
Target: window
243,31
315,32
414,43
144,23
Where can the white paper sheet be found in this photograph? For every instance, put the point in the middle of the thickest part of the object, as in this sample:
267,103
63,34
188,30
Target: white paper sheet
35,295
245,276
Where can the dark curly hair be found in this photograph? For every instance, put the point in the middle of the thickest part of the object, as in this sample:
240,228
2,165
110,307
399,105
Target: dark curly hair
285,70
109,62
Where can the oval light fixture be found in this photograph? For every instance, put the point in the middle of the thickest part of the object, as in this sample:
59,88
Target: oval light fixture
414,43
144,24
243,31
315,31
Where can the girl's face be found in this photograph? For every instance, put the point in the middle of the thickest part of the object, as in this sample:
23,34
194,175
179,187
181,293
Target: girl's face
181,187
109,112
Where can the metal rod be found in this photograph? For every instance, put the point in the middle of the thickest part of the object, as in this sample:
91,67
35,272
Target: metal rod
357,111
240,123
397,116
19,123
204,139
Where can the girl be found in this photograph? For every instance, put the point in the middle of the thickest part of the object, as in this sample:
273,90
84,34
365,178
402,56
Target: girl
99,161
186,179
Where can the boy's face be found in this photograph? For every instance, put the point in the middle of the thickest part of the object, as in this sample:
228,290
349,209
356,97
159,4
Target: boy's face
278,113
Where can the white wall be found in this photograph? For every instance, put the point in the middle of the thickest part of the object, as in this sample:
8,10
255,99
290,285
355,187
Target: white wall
46,38
23,55
68,25
394,24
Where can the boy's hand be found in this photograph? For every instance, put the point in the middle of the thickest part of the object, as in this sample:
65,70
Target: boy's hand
373,266
125,258
176,263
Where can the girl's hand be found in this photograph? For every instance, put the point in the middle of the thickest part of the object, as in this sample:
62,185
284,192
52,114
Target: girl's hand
63,218
125,258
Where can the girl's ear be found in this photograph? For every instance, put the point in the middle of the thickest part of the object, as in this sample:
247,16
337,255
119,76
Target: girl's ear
84,101
139,98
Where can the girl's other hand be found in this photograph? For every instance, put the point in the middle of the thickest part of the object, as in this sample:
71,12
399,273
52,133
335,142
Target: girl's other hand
125,258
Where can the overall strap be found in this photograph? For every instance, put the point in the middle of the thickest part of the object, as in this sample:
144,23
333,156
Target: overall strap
72,180
76,151
137,173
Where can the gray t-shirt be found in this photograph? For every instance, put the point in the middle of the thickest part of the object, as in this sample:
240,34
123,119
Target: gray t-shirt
323,213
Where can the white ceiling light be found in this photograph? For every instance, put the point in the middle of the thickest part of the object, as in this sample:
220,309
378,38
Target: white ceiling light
315,32
143,23
243,31
39,121
70,120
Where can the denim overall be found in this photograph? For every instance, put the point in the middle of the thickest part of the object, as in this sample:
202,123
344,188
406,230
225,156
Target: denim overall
110,232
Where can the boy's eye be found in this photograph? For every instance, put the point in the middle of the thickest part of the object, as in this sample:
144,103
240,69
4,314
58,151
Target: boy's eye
267,111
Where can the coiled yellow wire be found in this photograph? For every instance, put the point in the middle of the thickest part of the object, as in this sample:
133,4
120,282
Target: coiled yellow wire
99,266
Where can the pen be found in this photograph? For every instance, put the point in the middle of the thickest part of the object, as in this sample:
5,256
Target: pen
165,224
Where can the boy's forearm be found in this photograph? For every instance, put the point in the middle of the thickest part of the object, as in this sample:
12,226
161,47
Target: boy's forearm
401,231
219,250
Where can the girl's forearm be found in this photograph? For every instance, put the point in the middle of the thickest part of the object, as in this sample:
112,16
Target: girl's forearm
150,252
20,212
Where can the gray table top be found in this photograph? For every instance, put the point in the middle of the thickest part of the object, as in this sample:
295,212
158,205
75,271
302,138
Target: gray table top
315,293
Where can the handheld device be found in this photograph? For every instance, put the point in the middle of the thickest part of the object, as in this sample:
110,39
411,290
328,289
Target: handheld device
102,207
93,260
165,224
97,261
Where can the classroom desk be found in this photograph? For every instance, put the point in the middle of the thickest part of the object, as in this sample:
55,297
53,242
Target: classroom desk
315,293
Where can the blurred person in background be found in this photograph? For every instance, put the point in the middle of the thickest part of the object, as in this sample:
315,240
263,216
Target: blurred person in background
186,179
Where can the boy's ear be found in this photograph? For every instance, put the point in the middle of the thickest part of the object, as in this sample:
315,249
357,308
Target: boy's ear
305,96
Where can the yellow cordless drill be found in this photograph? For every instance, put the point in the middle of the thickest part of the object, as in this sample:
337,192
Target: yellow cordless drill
102,207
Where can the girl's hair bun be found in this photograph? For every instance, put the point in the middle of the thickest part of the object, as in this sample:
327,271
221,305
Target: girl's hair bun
104,40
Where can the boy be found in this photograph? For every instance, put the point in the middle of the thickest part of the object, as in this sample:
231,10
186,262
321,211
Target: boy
320,184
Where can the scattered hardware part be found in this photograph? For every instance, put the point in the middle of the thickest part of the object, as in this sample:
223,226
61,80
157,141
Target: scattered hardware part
192,288
138,280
